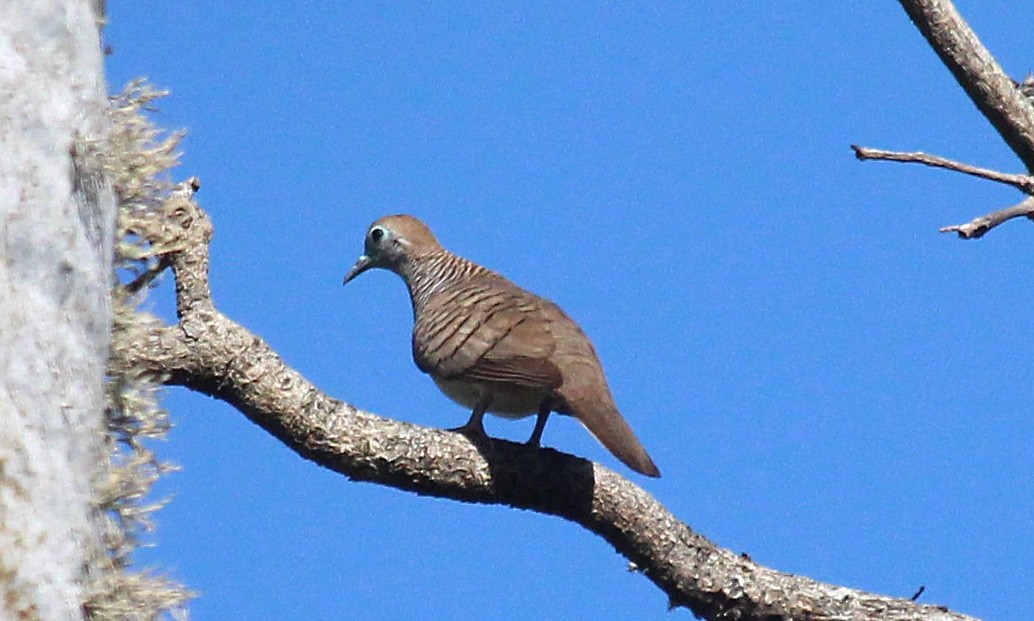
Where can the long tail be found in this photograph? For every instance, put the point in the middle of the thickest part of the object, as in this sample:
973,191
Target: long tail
603,420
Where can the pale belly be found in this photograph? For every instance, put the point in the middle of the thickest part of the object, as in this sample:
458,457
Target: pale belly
509,402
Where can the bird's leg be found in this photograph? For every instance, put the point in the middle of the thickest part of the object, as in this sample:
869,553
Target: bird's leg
474,428
540,424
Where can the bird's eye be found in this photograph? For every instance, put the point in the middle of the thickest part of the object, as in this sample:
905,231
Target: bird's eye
376,234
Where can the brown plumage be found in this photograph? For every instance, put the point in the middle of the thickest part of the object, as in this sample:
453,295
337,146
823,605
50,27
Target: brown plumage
494,347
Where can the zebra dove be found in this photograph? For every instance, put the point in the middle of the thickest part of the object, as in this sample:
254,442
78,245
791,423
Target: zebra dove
494,347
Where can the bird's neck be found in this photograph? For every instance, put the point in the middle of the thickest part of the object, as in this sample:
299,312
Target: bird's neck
430,274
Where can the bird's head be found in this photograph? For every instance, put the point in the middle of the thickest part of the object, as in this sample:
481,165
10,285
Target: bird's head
390,242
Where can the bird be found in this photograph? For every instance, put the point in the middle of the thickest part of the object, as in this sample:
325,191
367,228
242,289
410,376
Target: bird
494,347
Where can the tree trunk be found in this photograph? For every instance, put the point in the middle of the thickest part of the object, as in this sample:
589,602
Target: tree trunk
57,215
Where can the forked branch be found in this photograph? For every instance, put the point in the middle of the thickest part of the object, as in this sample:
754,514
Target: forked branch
1004,102
209,353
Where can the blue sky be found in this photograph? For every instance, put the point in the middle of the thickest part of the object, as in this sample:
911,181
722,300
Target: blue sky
826,382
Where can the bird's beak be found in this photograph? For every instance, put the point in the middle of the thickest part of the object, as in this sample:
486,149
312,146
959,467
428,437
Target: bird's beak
364,263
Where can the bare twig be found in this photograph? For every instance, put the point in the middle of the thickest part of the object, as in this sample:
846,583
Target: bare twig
974,229
209,353
979,74
1023,183
1002,101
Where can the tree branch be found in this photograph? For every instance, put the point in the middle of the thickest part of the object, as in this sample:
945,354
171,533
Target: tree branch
211,354
996,96
1004,102
975,229
1023,183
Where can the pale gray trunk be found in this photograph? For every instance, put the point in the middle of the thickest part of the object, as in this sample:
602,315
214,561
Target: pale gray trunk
57,215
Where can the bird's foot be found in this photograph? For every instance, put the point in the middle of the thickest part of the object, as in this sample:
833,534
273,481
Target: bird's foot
475,432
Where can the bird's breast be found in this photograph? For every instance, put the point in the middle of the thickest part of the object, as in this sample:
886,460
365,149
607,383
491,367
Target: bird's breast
508,401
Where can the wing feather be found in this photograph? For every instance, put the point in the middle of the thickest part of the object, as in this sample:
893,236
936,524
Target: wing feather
490,330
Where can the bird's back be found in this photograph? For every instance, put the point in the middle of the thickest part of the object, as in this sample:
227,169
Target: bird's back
481,326
473,326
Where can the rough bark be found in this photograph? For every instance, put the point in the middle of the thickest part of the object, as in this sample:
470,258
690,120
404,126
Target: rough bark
996,95
57,216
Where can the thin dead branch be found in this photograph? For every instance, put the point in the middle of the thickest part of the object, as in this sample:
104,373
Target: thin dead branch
975,229
1003,101
1023,183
